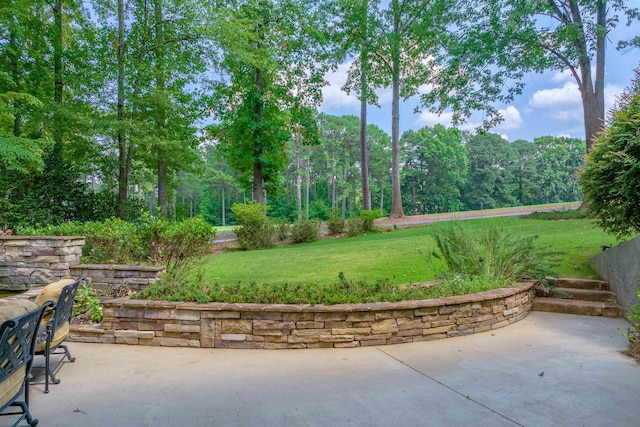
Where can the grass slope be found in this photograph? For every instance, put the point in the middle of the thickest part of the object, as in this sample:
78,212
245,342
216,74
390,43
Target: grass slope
396,256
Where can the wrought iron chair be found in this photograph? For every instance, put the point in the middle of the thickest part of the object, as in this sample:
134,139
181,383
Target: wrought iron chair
57,323
17,346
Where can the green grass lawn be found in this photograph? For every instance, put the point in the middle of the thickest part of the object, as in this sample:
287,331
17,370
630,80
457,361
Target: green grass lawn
397,256
225,229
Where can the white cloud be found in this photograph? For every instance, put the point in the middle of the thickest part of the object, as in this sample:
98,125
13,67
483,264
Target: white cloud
566,96
385,95
427,118
424,89
563,135
332,95
565,103
511,118
611,93
562,76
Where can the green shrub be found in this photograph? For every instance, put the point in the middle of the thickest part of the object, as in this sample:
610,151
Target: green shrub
318,210
87,302
283,230
342,291
305,231
354,226
368,219
336,224
362,224
559,215
149,240
109,241
176,243
610,178
491,254
255,231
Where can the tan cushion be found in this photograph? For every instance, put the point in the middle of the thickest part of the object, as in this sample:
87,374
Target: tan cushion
11,385
61,334
52,291
10,309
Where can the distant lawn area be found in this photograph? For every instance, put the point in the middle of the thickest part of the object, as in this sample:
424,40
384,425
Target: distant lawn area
397,256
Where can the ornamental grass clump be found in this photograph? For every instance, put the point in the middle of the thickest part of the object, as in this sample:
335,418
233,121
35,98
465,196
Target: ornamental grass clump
491,254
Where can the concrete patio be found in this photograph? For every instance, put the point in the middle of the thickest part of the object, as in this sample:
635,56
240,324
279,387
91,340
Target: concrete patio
546,370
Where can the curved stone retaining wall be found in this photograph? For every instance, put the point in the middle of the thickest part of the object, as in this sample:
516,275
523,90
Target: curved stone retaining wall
262,326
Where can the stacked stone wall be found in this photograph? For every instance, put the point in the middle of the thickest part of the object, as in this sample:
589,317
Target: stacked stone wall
108,279
36,261
261,326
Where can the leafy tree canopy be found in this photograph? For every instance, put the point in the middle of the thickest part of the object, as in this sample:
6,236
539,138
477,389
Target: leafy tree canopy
611,176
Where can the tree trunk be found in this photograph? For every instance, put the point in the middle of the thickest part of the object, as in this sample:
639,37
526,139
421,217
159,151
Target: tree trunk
592,94
298,179
308,184
224,208
123,167
364,164
598,121
258,185
13,58
163,177
257,189
414,199
396,195
58,86
163,202
344,198
258,192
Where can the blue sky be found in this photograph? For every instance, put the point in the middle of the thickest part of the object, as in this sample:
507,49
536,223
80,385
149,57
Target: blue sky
549,105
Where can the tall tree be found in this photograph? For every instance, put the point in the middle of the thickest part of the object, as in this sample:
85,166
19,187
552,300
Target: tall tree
359,25
410,38
339,138
273,73
164,57
124,149
379,150
435,168
496,42
557,166
47,55
489,181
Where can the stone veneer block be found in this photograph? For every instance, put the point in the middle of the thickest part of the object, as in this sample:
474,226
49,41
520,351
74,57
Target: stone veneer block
134,334
237,326
172,327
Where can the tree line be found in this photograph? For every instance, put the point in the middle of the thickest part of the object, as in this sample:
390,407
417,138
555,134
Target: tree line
117,107
442,170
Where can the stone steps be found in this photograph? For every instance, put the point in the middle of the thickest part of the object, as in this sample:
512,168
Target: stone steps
593,284
579,296
583,294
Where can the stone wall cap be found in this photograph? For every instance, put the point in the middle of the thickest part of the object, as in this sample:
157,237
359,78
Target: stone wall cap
87,328
118,267
14,237
319,308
